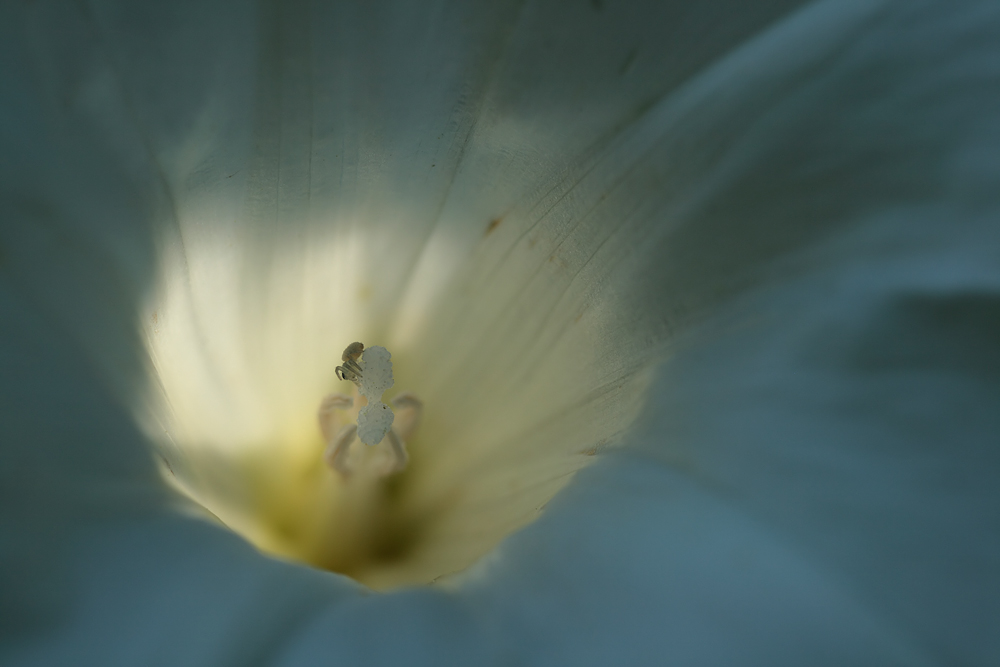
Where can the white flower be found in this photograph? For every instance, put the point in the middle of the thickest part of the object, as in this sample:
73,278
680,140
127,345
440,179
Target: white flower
789,213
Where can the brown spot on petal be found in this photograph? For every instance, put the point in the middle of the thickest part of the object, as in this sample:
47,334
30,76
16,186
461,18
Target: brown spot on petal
494,223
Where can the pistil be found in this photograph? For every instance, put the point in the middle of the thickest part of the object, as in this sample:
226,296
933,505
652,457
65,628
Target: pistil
371,372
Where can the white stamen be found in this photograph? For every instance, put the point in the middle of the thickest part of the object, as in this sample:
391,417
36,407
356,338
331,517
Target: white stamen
375,419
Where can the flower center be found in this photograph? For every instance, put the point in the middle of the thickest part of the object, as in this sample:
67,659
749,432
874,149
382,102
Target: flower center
497,430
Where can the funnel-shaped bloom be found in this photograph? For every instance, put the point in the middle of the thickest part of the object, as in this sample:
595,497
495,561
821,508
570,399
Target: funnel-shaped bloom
740,258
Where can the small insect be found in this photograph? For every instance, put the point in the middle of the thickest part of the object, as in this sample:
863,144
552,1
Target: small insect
351,370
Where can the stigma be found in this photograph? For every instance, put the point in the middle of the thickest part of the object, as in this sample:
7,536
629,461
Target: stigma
370,370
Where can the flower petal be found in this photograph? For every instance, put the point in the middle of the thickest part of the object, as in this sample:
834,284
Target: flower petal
813,480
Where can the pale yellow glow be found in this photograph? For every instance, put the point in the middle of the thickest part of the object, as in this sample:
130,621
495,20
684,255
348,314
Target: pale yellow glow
244,348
